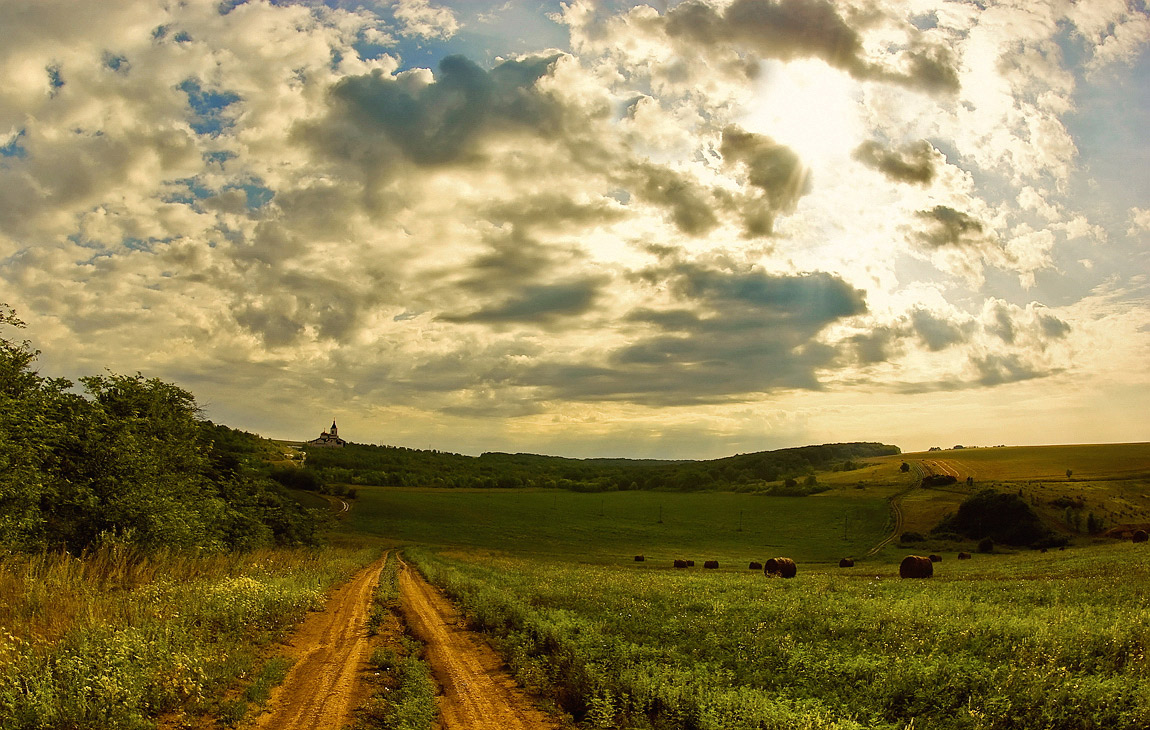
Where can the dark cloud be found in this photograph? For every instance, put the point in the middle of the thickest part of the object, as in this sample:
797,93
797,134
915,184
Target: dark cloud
878,345
937,333
949,227
784,30
690,204
375,119
912,163
997,369
789,29
1053,327
734,332
1002,324
774,169
554,210
537,304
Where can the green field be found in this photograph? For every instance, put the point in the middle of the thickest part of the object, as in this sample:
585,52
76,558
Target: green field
1000,642
613,526
1055,640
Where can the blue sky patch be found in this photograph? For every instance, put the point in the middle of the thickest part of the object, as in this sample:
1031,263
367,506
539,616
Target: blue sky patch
208,108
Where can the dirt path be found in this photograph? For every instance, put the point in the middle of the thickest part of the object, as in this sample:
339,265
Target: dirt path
478,694
896,509
330,649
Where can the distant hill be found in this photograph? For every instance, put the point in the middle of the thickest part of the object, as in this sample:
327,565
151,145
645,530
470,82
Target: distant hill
396,466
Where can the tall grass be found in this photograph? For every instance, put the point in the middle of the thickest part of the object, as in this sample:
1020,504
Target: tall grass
1029,641
115,639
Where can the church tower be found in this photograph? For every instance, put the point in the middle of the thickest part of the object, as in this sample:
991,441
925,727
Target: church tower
334,429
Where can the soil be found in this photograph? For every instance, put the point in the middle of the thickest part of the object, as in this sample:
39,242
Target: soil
478,692
330,651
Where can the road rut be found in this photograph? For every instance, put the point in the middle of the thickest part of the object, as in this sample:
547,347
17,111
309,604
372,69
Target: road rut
478,693
330,649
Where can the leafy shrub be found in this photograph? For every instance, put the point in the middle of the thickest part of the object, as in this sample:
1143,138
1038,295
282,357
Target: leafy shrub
911,537
986,545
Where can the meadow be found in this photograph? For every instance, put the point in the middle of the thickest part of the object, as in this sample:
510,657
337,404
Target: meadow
1055,640
613,526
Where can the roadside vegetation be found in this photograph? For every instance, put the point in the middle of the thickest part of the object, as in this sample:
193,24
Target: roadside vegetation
1054,640
120,638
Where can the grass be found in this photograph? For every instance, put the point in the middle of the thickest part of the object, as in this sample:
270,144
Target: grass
117,639
1055,640
614,526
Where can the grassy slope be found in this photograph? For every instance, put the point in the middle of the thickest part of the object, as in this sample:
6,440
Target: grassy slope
1110,480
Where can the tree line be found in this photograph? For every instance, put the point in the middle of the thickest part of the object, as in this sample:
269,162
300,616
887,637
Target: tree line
792,469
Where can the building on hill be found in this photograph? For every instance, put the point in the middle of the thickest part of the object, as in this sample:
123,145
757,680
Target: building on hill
329,438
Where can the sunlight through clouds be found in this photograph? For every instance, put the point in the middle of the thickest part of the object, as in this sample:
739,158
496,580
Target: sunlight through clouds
565,226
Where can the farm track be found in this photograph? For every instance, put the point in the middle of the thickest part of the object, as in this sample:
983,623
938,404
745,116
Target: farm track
478,693
330,649
896,509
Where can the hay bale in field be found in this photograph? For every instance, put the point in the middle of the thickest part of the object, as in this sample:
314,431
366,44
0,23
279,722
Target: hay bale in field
847,563
966,556
712,564
639,558
690,563
755,566
935,558
915,566
1140,536
680,563
783,567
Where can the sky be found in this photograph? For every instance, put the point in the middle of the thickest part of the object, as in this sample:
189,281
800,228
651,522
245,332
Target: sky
591,229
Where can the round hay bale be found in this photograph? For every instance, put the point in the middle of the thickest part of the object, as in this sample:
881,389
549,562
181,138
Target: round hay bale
915,566
847,563
755,566
680,563
964,556
712,564
1140,536
783,567
639,558
935,558
690,563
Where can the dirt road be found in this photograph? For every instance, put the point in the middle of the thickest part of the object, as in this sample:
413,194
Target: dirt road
478,694
330,649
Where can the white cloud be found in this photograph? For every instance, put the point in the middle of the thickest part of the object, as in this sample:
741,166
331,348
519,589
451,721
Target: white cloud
421,18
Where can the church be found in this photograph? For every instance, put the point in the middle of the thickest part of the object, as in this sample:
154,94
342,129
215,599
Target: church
328,438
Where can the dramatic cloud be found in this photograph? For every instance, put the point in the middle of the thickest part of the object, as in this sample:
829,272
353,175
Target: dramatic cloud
913,163
750,223
790,29
945,226
773,169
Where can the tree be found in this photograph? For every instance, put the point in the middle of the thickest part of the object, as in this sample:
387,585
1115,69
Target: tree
905,467
1005,518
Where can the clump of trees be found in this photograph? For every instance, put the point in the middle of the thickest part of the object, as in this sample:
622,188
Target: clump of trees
1003,518
124,459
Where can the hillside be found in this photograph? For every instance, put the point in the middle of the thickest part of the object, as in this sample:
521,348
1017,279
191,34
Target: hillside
1071,487
766,471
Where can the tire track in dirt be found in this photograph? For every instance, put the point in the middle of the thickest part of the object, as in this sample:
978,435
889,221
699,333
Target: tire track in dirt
330,649
478,693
